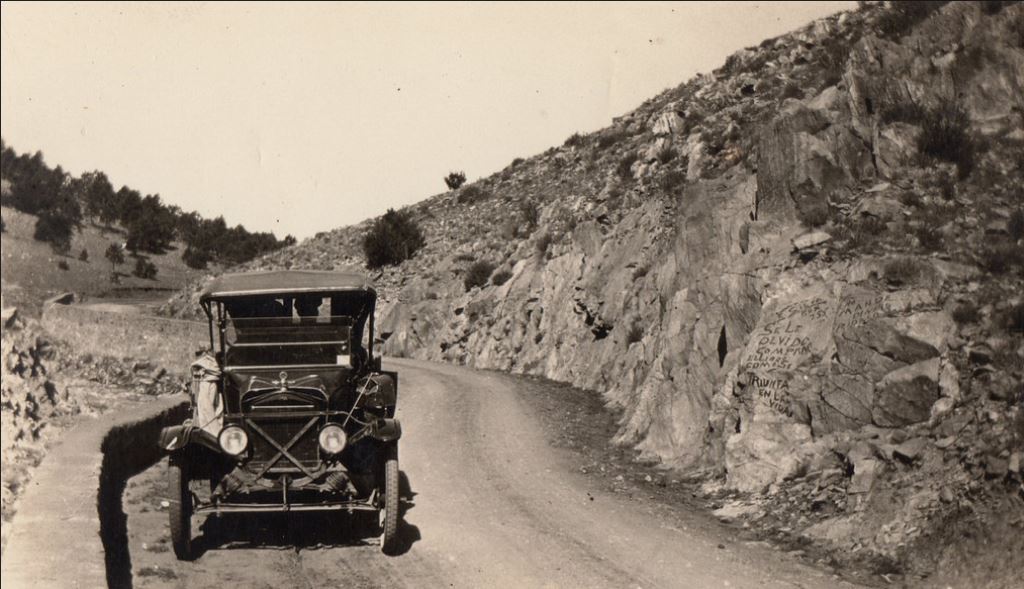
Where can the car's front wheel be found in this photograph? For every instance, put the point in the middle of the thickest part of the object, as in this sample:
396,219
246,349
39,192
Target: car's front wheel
180,511
389,509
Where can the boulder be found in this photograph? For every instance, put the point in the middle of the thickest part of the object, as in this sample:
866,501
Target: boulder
906,395
865,472
809,240
911,449
668,123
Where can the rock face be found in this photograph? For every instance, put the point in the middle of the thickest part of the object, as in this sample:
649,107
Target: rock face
755,265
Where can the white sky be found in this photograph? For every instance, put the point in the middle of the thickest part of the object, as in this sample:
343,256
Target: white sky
298,118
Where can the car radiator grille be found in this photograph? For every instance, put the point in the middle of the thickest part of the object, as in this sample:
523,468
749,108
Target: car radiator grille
305,450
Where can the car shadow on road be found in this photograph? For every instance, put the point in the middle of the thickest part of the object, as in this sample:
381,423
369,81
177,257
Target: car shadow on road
306,529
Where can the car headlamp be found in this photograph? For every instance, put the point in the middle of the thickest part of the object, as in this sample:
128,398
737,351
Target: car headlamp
332,438
233,440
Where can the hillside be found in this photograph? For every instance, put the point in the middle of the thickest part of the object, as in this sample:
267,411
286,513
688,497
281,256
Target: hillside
31,270
798,276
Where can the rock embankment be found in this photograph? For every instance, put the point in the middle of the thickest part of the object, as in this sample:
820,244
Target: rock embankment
47,386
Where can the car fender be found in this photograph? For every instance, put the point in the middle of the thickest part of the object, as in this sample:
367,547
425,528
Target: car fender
387,429
177,437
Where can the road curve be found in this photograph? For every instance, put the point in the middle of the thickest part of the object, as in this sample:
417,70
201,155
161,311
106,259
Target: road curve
488,504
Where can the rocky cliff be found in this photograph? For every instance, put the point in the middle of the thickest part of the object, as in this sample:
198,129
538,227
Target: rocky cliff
801,273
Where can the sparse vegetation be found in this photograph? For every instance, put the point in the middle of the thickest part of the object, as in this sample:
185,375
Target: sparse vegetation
393,238
945,135
860,233
904,15
1015,318
609,138
991,7
965,313
911,199
530,214
575,140
115,256
472,194
1015,225
832,60
901,271
83,255
478,274
454,180
500,277
625,167
56,230
929,237
813,213
195,259
672,180
543,243
903,112
666,154
144,269
63,265
1002,257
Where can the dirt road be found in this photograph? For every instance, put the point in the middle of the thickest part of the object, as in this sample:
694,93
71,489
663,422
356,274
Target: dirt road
487,504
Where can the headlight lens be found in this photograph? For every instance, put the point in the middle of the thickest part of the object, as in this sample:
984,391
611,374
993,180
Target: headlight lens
233,440
332,438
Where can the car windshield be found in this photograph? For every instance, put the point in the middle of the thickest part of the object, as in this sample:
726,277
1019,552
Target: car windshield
306,329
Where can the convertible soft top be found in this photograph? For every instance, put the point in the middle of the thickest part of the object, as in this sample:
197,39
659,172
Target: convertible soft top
285,282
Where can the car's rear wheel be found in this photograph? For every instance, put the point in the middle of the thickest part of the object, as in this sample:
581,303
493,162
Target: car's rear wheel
180,511
389,509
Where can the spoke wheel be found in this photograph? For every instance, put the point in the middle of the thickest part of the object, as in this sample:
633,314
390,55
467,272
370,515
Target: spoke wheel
180,511
389,509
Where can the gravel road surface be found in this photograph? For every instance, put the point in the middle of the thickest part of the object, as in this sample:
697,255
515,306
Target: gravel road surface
487,503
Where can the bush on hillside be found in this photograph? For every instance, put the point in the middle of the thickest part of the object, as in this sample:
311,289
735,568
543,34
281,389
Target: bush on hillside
903,112
1003,257
472,194
610,138
115,256
500,277
945,135
454,180
901,271
393,238
625,167
55,230
904,15
543,243
531,215
672,180
84,255
195,258
144,269
575,140
478,274
666,154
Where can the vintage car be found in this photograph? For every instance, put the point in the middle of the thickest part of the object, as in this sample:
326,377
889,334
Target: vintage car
290,408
